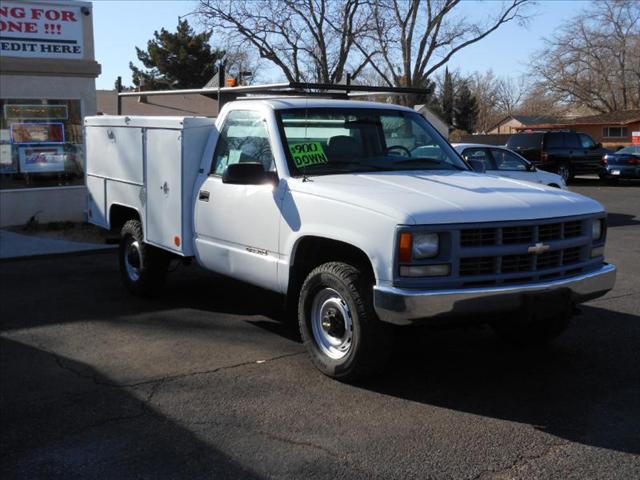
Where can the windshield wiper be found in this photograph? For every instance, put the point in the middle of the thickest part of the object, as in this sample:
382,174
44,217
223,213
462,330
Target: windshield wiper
358,164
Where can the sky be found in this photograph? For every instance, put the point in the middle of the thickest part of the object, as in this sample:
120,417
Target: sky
121,25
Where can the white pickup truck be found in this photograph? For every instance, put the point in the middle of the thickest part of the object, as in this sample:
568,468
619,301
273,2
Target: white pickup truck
361,213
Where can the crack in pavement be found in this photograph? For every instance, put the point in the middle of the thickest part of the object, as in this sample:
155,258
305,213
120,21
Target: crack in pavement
520,461
144,407
167,378
604,299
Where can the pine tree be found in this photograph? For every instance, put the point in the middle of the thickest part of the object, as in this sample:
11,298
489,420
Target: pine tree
466,109
182,59
447,101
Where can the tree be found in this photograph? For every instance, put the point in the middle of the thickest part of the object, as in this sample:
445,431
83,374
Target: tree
595,59
309,40
466,109
422,36
447,99
182,59
484,87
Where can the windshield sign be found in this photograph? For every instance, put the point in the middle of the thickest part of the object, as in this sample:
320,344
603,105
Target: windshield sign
340,140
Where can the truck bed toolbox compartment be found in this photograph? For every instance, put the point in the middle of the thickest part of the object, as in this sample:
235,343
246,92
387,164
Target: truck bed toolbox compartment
149,164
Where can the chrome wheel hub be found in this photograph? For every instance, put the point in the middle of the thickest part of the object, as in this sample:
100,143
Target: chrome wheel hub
133,259
331,323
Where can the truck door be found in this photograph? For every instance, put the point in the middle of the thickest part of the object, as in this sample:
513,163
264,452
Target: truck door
237,226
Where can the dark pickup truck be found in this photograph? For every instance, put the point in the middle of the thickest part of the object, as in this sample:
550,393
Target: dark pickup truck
567,153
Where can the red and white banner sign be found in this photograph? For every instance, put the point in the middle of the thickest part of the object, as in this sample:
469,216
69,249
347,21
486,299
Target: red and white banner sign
41,30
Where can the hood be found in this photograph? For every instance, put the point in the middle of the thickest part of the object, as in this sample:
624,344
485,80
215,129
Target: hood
447,197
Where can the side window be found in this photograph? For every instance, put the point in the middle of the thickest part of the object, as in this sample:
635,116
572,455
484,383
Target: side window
554,140
479,154
586,141
508,161
572,141
243,138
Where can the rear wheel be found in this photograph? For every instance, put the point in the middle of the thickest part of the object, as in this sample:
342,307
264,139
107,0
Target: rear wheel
143,268
338,324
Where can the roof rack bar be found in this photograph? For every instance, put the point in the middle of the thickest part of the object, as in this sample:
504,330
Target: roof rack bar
223,94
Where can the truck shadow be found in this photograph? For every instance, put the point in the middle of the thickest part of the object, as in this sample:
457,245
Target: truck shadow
621,220
596,182
584,387
56,424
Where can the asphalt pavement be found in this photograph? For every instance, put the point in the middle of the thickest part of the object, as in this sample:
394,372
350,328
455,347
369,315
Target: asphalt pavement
209,381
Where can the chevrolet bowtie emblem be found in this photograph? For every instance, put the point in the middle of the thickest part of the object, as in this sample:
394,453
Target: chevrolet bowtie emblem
538,248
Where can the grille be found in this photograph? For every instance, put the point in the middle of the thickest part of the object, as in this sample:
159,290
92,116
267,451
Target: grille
517,263
477,266
526,262
511,235
573,229
571,255
478,237
551,231
483,237
549,260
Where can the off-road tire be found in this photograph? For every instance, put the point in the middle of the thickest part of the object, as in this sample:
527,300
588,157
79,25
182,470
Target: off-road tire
372,340
154,263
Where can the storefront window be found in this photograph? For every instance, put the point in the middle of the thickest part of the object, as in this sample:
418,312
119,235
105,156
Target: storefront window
41,143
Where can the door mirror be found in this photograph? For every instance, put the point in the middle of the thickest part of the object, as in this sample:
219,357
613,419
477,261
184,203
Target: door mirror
248,173
531,167
598,145
478,166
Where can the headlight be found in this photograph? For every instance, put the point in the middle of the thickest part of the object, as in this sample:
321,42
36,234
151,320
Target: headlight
425,245
596,229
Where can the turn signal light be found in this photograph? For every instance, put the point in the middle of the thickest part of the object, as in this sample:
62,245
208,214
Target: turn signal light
177,240
406,246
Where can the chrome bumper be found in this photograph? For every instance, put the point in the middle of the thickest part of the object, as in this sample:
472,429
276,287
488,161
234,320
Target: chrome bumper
407,307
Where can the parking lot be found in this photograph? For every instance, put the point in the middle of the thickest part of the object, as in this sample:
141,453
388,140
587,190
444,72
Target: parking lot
209,381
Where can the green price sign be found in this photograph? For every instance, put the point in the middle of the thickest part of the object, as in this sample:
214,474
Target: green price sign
308,153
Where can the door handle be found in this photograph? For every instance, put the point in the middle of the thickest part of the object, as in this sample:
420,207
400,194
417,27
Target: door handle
203,195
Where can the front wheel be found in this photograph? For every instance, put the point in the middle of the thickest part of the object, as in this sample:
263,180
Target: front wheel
564,170
143,268
338,324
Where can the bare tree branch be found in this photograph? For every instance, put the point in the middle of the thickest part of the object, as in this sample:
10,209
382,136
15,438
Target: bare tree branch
594,61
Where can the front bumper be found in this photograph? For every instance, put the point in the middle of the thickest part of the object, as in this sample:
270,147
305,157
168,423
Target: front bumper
407,307
620,171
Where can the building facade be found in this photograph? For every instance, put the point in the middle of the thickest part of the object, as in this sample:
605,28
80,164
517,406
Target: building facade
47,86
613,129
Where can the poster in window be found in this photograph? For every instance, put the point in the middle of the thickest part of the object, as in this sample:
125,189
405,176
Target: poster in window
41,159
33,133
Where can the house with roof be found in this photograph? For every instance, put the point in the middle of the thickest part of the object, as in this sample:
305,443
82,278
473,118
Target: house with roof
164,105
514,123
613,129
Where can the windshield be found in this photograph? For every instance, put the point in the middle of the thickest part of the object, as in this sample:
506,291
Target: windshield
633,150
322,141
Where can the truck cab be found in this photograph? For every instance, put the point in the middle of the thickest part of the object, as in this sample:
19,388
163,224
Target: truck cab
361,214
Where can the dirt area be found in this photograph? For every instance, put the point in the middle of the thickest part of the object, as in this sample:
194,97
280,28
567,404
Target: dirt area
74,232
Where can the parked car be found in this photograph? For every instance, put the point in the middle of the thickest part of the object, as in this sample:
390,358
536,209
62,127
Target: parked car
564,152
625,163
505,163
